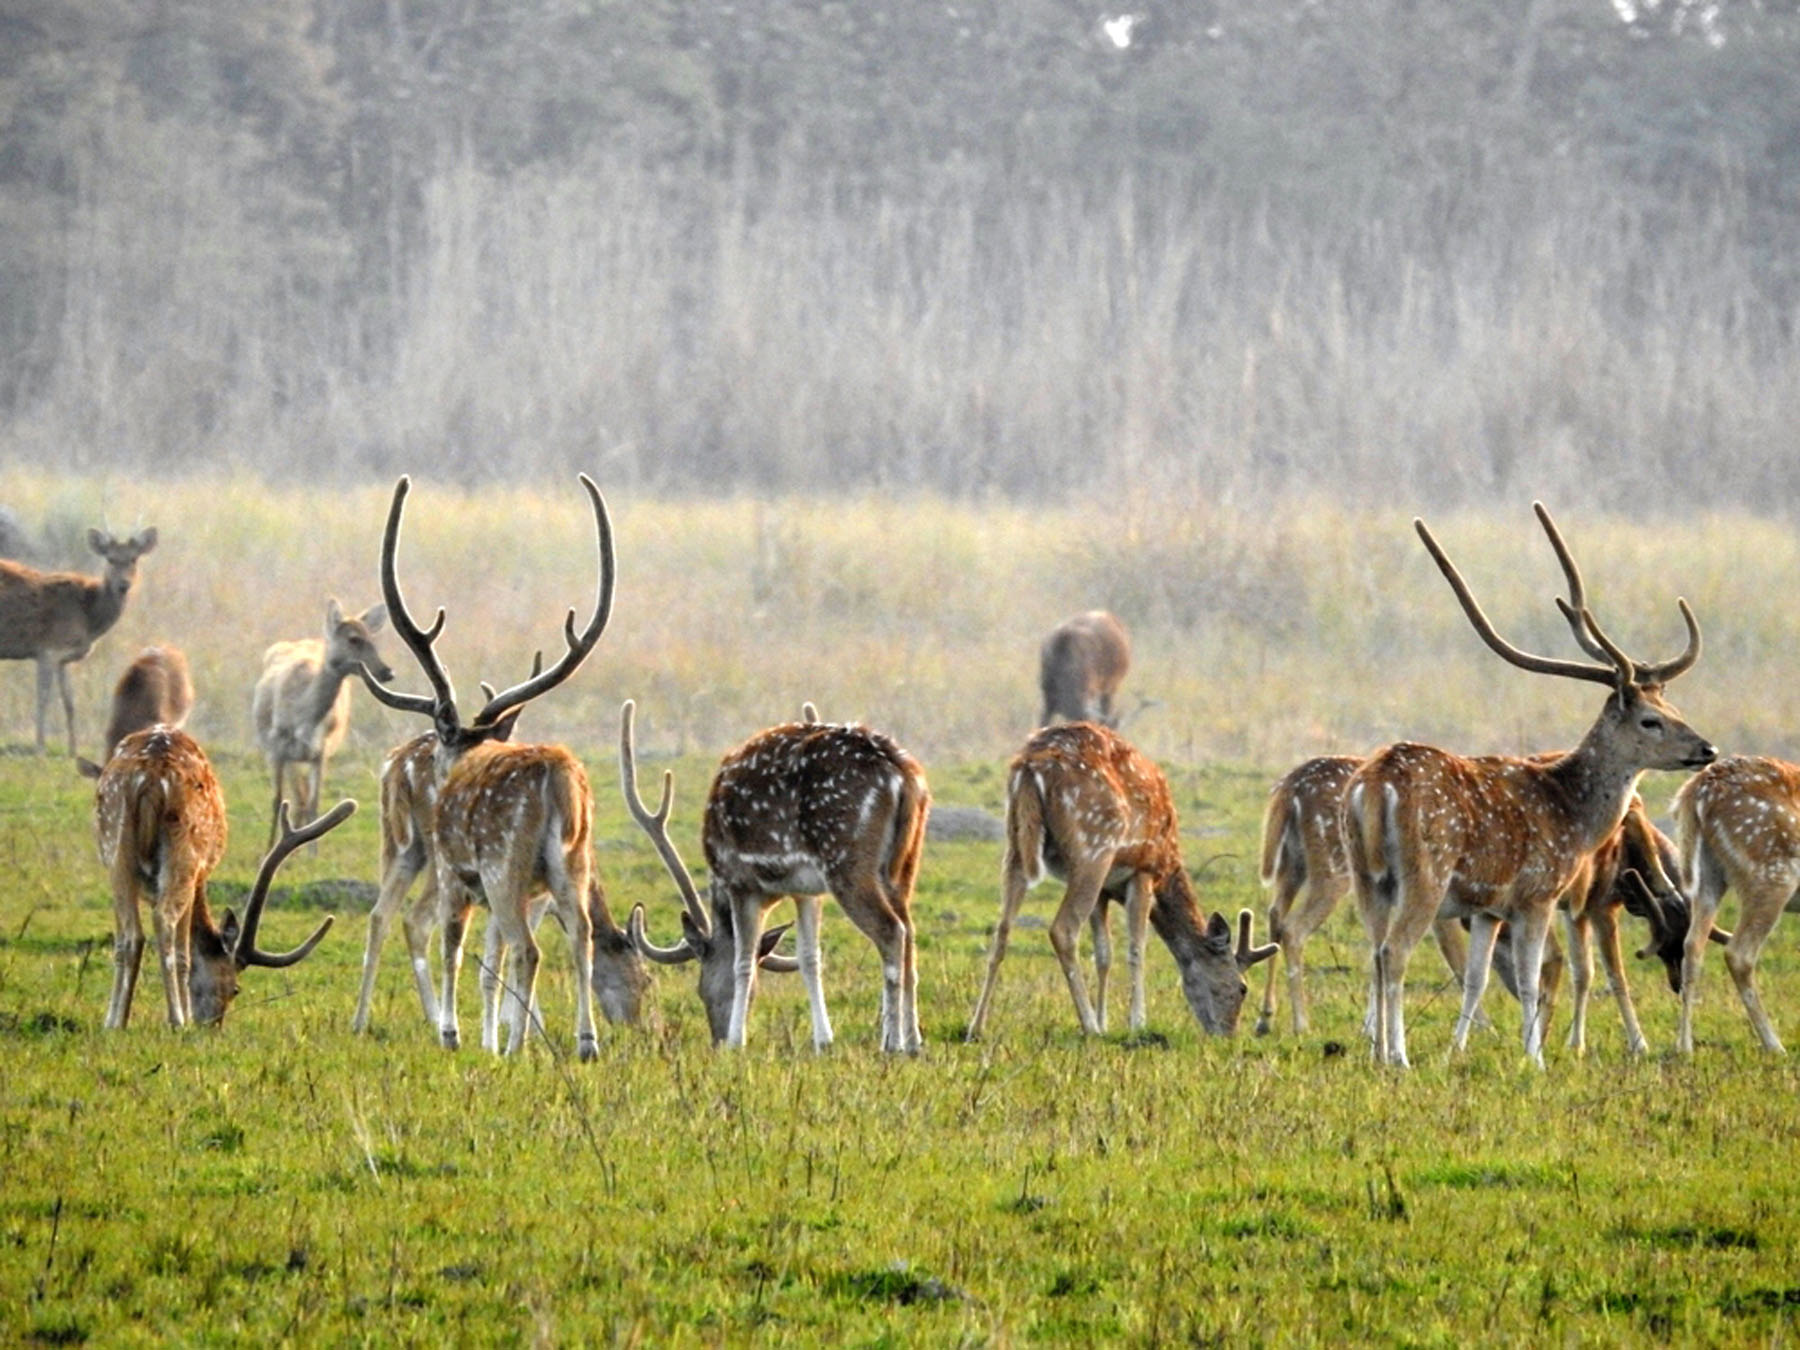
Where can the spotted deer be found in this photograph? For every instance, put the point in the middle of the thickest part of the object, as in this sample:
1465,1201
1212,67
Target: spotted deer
1737,828
1080,667
54,618
1499,838
301,705
1085,806
159,819
514,821
801,809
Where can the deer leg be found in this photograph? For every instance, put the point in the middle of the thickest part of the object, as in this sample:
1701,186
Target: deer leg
569,888
1013,885
168,952
1138,899
68,702
494,948
1100,926
870,909
280,766
454,905
128,953
1757,912
1530,930
417,924
807,912
1581,953
1483,929
1700,924
1319,900
1078,902
1409,922
1606,924
747,925
526,957
397,873
1454,948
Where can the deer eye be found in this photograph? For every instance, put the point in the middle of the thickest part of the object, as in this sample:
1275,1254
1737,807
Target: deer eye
1650,723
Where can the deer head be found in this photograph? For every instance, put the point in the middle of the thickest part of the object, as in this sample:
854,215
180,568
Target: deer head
349,640
221,955
711,944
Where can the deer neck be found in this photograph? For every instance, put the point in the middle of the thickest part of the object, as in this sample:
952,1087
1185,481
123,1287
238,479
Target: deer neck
1175,915
105,600
324,690
1593,786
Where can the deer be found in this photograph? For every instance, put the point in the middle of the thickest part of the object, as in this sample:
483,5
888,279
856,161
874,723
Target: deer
1084,805
513,821
54,618
159,819
301,704
1080,667
1501,837
155,688
800,809
1737,828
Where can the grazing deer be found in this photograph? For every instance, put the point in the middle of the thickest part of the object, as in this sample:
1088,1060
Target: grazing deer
1084,806
160,821
800,809
301,706
1080,667
1737,827
155,689
54,618
513,821
1500,837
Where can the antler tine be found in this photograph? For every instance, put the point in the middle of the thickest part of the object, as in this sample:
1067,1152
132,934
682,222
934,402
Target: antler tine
246,952
1246,955
1542,665
657,825
576,645
1577,601
537,664
418,641
809,714
1663,671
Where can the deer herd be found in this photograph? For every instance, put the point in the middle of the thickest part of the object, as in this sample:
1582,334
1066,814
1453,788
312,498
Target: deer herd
1481,851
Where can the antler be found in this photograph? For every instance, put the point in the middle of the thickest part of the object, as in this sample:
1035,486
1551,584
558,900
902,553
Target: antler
1246,955
418,641
246,953
1610,675
1588,632
577,645
664,956
656,825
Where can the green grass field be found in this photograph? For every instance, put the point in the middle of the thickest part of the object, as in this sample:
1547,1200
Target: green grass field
280,1180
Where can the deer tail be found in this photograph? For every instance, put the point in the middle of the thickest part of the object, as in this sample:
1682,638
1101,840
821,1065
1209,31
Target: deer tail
1278,829
1025,823
911,810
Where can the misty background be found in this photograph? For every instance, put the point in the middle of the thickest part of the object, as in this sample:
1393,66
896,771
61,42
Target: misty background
1372,250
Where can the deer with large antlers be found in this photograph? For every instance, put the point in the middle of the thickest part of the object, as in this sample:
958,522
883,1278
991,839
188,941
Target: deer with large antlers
1737,826
514,821
301,705
1499,838
1083,805
799,810
159,819
1080,667
54,618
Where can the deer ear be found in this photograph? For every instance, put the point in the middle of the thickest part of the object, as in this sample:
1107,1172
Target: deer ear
1218,933
374,617
97,539
146,539
334,613
228,930
691,931
86,767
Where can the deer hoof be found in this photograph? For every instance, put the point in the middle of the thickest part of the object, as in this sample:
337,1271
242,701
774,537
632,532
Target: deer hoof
451,1040
586,1048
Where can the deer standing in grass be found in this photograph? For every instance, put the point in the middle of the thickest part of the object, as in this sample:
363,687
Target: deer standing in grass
1737,827
1080,667
1499,838
301,705
1305,865
514,821
1083,805
54,618
154,690
799,810
159,819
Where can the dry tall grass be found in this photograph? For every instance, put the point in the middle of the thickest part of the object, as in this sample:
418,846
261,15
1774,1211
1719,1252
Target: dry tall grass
1263,638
